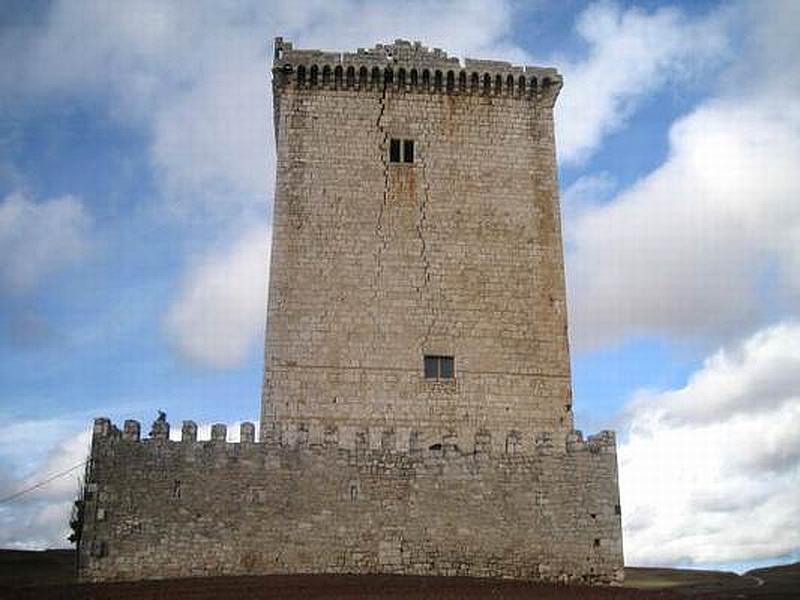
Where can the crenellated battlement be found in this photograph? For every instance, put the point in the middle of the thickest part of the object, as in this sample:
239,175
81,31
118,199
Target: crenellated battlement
188,507
410,67
392,440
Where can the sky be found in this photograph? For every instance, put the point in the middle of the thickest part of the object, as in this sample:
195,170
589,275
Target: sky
136,179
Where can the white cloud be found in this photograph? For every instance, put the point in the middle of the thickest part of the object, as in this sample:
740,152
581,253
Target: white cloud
586,192
196,77
589,189
39,238
766,366
22,442
710,473
211,145
632,54
40,518
473,28
685,250
204,431
706,244
219,313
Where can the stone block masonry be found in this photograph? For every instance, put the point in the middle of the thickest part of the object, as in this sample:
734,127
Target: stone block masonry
416,409
161,508
376,264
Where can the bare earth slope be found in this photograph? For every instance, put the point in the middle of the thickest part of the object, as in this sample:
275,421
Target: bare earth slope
331,587
50,575
781,582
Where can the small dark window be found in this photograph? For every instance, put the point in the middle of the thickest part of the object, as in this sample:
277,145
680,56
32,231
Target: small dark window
446,367
394,151
401,151
408,151
439,367
99,549
431,367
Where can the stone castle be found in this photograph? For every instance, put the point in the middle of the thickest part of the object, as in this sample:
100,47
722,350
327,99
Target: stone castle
417,408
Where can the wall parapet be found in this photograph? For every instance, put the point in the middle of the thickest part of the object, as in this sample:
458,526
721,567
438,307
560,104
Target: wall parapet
158,507
392,440
412,67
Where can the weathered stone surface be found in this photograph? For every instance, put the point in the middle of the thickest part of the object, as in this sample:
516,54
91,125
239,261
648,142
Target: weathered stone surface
376,264
364,465
175,509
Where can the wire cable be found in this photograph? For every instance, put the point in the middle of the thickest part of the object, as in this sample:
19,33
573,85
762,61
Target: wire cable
41,483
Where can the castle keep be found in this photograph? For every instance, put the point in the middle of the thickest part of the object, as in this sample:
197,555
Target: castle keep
417,408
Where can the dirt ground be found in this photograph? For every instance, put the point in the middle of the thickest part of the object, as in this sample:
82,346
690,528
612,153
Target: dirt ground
50,575
330,587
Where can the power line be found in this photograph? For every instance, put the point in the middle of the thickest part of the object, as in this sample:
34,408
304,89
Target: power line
41,483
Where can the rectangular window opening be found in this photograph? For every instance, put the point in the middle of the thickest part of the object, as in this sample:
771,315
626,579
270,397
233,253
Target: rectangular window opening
401,151
446,367
431,367
394,151
408,151
439,367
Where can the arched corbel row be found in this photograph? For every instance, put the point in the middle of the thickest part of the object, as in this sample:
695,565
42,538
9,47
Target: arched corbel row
463,82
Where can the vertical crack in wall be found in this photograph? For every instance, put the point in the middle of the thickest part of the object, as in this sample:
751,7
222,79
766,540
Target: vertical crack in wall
423,252
384,160
379,225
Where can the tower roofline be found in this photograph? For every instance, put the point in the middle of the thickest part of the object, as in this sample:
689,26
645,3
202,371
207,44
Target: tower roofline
407,56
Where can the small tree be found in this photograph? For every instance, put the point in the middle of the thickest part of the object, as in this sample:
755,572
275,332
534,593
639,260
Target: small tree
76,522
77,516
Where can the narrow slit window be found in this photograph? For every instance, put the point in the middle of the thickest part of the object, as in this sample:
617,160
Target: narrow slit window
439,367
408,151
394,151
431,367
446,367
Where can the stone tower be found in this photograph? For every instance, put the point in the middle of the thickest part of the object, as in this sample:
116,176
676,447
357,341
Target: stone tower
416,411
416,221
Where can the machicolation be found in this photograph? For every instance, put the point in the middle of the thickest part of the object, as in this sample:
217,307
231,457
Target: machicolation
417,400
